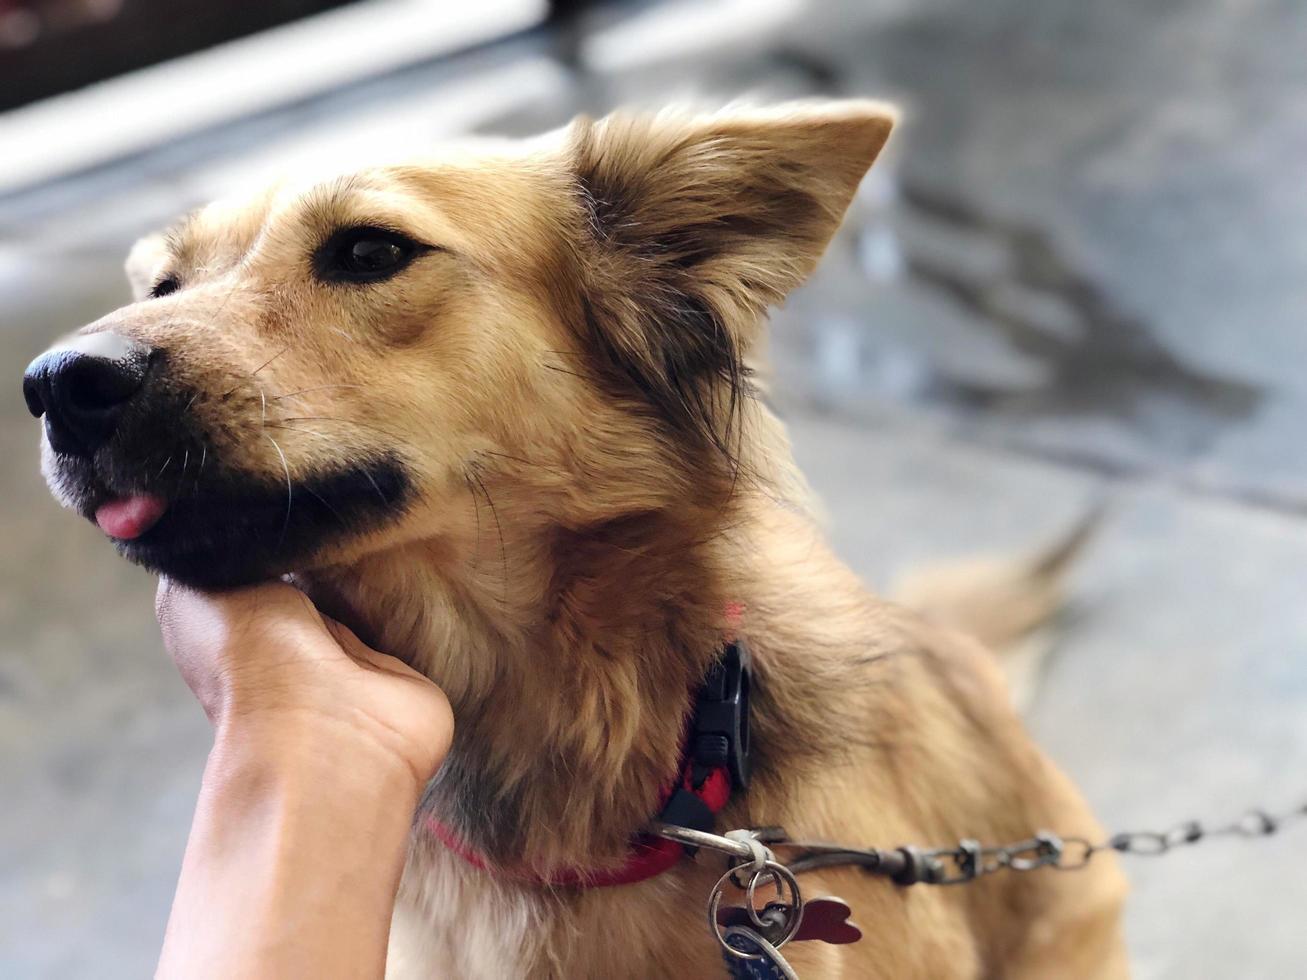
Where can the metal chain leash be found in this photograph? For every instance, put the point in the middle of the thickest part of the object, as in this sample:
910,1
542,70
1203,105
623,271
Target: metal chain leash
970,860
752,851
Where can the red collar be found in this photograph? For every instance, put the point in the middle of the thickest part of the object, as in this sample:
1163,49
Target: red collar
715,762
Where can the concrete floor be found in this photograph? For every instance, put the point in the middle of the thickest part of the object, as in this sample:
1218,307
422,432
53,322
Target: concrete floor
1084,282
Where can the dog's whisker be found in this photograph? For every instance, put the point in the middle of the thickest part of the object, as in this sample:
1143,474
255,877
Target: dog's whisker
499,529
325,503
301,430
516,459
255,372
269,360
301,391
563,370
476,511
327,437
331,418
324,418
163,467
290,494
230,293
380,496
199,472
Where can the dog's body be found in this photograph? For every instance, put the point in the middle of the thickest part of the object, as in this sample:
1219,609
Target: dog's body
494,414
870,727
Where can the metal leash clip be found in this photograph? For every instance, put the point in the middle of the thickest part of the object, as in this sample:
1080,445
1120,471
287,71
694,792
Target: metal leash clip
779,920
766,930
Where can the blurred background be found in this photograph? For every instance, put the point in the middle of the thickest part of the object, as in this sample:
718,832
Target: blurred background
1077,277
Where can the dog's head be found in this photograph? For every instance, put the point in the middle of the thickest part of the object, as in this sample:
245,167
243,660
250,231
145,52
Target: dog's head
557,333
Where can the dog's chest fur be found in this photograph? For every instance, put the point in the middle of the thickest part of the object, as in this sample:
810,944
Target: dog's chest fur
452,920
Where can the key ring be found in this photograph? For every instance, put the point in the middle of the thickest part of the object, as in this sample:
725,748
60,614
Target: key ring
784,879
769,952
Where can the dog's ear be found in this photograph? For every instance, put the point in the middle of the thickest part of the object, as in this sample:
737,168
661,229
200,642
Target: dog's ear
144,262
697,224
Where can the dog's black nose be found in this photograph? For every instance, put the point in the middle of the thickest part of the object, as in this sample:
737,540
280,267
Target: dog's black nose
81,388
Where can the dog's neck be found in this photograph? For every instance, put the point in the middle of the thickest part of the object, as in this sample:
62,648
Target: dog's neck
569,657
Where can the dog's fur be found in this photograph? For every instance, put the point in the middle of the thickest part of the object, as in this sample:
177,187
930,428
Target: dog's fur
574,477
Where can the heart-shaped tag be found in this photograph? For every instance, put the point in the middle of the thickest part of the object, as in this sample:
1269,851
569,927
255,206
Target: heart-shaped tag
825,919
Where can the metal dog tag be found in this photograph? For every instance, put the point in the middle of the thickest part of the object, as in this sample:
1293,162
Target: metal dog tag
764,961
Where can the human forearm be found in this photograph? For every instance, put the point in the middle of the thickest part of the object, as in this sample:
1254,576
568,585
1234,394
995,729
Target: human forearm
294,857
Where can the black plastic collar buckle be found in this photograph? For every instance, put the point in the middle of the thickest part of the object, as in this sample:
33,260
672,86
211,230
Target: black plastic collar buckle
719,735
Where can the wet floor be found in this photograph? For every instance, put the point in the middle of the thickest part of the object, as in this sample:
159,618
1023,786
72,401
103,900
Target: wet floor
1079,277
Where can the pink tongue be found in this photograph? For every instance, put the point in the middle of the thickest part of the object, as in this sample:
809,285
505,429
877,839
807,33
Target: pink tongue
130,517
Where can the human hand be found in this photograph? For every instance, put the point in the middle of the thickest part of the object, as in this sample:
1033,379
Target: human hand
283,679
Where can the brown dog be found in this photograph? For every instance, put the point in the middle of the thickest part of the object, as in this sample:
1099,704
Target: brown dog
493,411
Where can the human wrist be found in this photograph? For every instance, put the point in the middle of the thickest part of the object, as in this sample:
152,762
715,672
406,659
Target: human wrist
303,749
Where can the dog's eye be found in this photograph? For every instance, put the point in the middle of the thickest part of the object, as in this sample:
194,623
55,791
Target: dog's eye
364,255
165,287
